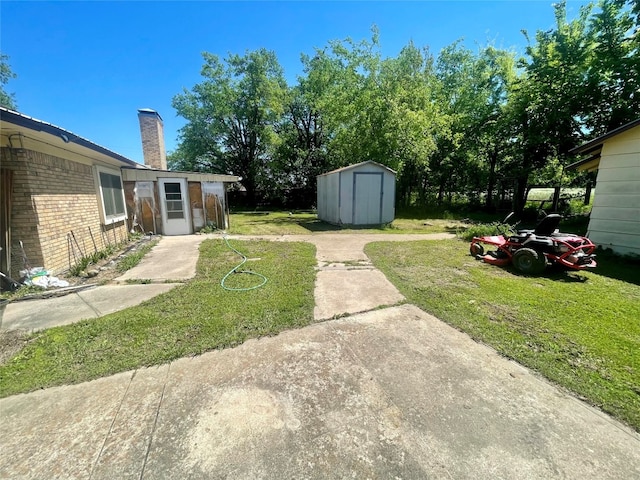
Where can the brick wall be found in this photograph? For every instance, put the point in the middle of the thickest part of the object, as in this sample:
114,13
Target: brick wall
53,198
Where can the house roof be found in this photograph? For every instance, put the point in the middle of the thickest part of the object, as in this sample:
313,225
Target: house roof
350,167
66,137
593,148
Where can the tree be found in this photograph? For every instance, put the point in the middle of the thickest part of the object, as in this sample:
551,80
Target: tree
472,92
547,104
232,116
613,75
7,100
581,79
375,109
301,154
413,120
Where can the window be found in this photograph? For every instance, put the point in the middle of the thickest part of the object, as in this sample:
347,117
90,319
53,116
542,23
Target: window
112,195
173,196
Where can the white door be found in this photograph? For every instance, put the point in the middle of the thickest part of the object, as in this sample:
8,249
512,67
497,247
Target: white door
174,202
367,198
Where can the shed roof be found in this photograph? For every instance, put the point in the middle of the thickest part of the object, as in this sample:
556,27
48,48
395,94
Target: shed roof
11,117
593,148
350,167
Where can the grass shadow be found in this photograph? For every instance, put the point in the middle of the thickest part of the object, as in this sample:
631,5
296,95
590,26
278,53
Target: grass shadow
612,268
312,224
621,268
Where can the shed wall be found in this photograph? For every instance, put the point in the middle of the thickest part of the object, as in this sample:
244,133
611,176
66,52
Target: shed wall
615,217
389,203
328,198
336,195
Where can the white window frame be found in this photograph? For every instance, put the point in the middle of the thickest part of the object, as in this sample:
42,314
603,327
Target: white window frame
118,217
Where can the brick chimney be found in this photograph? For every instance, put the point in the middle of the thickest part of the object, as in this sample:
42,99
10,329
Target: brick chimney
152,133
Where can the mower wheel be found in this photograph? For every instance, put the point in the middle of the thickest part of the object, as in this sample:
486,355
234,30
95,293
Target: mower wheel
529,261
476,249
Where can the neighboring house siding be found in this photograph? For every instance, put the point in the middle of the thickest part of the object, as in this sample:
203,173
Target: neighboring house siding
615,217
53,197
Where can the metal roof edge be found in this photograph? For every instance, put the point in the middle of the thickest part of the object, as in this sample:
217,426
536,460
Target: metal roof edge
349,167
22,120
584,161
602,138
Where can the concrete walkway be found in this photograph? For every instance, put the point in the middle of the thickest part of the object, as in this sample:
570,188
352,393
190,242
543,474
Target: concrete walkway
172,260
347,282
391,393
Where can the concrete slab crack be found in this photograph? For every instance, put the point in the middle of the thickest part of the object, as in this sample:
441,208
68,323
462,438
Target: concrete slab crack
94,309
155,423
113,422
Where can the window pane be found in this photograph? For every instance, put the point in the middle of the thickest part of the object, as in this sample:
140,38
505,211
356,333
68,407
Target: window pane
174,206
107,196
172,188
118,201
111,187
175,215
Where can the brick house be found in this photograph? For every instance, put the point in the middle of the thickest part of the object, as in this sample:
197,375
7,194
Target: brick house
170,202
64,197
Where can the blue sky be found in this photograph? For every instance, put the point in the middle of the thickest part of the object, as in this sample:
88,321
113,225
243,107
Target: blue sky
88,66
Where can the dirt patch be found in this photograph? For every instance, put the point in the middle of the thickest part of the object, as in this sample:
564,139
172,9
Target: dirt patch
11,342
106,270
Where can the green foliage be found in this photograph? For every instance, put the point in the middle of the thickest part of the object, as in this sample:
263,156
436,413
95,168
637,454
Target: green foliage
92,259
7,100
231,117
474,125
128,261
189,320
23,291
485,229
132,259
613,77
580,330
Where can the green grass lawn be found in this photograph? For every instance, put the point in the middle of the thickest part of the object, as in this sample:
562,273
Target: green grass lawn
579,329
188,320
294,223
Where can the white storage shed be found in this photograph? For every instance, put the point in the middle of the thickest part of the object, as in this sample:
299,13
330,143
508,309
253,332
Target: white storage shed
360,194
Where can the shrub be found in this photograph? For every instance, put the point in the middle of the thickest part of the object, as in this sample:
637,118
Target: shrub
484,229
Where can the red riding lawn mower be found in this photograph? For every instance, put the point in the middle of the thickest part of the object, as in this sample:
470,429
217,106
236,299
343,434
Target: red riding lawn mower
531,250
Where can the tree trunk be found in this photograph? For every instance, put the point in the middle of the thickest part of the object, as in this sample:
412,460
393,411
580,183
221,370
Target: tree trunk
520,194
491,184
587,194
556,199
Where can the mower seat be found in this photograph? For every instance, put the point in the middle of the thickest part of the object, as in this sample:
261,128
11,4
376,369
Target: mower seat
548,225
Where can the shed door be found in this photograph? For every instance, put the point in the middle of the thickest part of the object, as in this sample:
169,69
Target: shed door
176,219
367,198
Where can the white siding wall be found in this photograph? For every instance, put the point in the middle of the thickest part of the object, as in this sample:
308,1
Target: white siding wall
615,218
389,201
328,209
346,196
321,196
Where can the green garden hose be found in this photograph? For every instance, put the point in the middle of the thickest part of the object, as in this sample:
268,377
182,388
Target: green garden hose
235,270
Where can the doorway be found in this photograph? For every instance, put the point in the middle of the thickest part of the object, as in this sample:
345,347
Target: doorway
174,203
